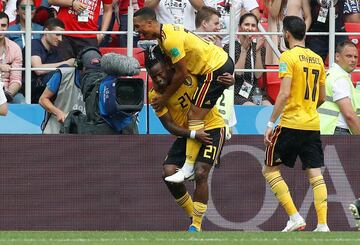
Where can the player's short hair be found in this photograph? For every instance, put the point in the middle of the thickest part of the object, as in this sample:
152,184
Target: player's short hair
4,15
296,26
146,13
246,15
340,47
205,13
153,56
52,23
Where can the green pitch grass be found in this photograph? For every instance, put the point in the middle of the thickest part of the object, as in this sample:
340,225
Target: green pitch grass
178,238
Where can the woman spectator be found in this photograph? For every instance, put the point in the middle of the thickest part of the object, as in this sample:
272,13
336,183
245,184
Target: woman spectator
20,23
249,54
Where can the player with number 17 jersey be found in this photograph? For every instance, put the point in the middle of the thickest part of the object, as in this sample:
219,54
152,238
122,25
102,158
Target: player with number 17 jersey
306,69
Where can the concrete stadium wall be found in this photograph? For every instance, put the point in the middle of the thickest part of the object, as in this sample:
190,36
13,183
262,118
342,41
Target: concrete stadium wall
59,182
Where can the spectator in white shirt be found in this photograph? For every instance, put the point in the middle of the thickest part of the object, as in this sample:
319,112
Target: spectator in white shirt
176,12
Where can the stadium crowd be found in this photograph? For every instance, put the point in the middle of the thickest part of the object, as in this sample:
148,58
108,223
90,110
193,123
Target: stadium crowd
251,51
55,50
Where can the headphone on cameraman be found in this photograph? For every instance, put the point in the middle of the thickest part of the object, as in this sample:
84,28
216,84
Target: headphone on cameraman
78,62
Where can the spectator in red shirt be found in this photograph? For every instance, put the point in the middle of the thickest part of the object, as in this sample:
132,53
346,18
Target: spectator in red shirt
82,15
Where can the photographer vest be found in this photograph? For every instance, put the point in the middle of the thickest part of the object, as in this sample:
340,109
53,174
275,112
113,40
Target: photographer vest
68,98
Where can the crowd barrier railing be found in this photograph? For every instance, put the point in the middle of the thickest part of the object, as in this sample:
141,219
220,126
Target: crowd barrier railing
232,37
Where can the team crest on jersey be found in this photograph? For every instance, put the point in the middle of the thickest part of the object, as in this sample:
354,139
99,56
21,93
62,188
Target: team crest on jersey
174,52
282,67
188,81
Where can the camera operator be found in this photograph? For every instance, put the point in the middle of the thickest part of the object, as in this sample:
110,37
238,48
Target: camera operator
111,101
61,95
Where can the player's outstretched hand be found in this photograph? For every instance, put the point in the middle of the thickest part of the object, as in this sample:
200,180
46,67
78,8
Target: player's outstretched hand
203,137
268,136
227,79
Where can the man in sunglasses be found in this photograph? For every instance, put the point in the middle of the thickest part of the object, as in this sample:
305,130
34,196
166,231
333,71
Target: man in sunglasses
20,24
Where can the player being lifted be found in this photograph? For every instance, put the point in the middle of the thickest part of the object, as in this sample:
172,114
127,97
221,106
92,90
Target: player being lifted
302,90
173,116
189,54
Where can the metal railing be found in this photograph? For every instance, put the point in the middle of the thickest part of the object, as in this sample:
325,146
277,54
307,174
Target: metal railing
232,37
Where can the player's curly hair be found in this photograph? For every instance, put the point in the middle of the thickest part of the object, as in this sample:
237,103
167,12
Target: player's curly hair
153,56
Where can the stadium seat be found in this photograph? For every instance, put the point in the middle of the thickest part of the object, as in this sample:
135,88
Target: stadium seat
355,76
138,53
272,84
354,27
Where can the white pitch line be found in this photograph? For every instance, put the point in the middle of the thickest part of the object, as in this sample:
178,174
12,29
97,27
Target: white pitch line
180,240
